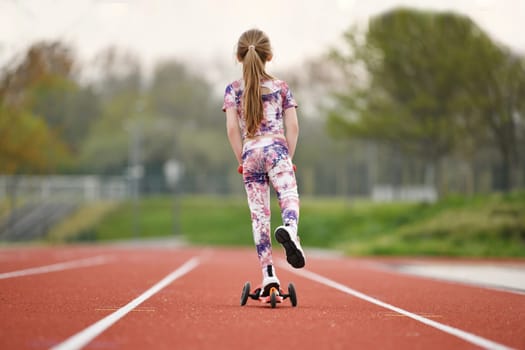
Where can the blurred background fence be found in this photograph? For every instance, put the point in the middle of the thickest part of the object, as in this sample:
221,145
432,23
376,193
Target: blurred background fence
36,203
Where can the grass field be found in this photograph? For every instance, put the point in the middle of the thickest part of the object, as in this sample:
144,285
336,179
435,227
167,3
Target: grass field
490,225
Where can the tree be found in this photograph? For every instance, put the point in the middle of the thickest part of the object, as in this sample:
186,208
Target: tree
43,62
118,89
184,101
420,67
175,116
499,93
28,142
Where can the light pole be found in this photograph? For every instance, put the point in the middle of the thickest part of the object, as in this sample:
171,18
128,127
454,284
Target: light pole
135,168
173,171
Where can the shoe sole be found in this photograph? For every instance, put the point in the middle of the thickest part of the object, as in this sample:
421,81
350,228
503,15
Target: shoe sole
293,255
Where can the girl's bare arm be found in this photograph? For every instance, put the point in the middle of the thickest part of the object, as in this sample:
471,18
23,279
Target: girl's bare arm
234,133
291,129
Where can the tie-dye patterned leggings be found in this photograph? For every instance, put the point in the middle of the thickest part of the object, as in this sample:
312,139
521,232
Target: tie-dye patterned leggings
266,161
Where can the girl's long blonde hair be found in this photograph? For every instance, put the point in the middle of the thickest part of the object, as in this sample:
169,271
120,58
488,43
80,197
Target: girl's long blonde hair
253,50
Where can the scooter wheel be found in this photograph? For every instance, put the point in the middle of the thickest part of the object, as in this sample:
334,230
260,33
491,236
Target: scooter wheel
292,294
273,299
245,293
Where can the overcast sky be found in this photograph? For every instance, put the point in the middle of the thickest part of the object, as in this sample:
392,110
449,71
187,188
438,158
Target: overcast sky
207,30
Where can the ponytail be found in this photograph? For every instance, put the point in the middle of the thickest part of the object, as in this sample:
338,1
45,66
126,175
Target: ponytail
253,50
253,70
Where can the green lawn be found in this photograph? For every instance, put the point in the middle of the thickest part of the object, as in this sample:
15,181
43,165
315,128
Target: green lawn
491,225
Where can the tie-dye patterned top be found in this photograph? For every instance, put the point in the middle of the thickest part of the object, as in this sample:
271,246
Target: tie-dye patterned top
274,103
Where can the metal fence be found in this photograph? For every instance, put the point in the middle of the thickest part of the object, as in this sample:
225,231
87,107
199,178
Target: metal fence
76,188
31,205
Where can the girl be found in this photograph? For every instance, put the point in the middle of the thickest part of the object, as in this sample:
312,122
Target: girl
262,126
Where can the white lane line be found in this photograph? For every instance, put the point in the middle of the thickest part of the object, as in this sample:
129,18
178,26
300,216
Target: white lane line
74,264
84,337
469,337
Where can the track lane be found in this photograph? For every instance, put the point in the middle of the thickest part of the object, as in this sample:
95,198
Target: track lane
493,314
397,311
40,311
21,258
65,265
201,309
85,336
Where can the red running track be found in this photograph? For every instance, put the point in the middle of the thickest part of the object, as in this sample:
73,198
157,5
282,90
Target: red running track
98,297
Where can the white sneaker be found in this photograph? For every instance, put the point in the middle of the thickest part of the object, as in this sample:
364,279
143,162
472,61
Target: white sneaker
270,280
287,236
268,283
